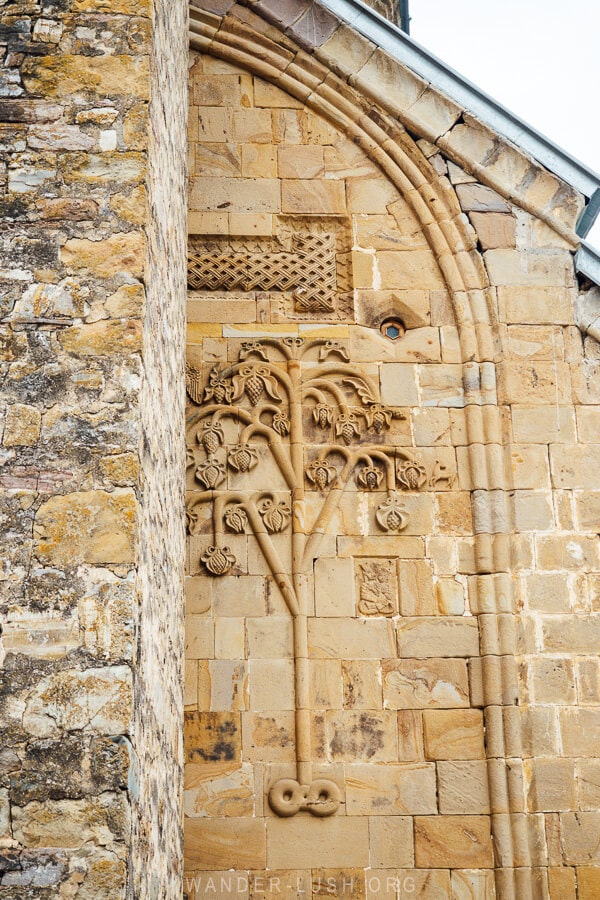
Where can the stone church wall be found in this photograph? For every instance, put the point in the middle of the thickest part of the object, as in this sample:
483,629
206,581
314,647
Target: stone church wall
445,677
393,579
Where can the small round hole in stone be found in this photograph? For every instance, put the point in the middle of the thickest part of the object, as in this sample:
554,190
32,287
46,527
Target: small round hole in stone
393,329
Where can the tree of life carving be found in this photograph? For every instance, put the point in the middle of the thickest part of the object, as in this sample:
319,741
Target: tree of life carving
304,404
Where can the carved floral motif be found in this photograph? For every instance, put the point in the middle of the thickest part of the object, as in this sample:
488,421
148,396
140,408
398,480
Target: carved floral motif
211,473
411,475
391,513
321,473
276,516
218,560
261,398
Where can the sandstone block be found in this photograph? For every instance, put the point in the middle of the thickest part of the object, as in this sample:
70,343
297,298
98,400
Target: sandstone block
308,842
226,682
554,679
94,700
118,254
451,636
431,427
252,126
416,588
536,305
105,75
453,734
579,835
410,736
405,271
575,466
391,839
461,842
350,638
325,679
529,467
399,384
236,195
479,198
271,684
72,823
312,197
390,789
368,735
268,737
208,843
570,552
533,510
539,425
542,383
230,637
561,883
425,684
454,513
580,731
463,787
551,785
587,504
572,634
473,884
587,773
370,196
494,230
548,593
86,527
588,882
105,338
361,683
512,267
218,789
301,162
334,587
212,736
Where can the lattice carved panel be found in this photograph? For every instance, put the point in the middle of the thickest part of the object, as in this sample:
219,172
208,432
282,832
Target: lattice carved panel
305,262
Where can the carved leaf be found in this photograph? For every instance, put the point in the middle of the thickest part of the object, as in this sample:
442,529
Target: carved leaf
362,388
193,383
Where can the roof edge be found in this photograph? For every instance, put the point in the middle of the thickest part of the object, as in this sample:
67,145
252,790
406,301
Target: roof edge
397,43
587,262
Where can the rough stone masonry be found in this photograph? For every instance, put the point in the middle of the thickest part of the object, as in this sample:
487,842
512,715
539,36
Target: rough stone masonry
391,678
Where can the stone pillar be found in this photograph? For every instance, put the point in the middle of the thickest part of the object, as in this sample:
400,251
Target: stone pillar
92,317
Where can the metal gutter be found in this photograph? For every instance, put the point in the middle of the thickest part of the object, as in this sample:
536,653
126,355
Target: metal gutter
587,262
390,38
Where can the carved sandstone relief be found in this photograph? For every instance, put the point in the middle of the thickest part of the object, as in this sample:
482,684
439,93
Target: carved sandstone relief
304,266
302,406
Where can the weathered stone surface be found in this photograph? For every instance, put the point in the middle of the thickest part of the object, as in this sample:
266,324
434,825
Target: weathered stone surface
121,253
454,841
88,526
96,700
425,684
63,76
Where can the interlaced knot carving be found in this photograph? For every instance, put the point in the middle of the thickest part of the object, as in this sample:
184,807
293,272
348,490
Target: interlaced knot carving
308,271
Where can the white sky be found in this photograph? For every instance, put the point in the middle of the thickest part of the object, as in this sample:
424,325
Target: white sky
539,58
